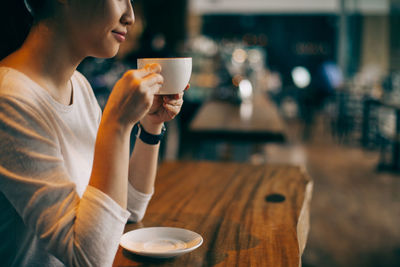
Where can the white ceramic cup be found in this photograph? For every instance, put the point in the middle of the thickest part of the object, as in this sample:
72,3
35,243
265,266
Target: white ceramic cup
175,71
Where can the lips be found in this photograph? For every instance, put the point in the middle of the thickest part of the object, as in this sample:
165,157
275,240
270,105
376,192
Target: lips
120,36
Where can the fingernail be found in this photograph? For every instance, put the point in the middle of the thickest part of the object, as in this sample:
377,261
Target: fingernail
155,67
150,68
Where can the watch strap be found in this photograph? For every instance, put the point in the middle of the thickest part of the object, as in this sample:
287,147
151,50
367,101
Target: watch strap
148,138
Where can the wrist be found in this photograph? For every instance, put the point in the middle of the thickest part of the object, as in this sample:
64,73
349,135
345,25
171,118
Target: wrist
149,138
152,128
112,125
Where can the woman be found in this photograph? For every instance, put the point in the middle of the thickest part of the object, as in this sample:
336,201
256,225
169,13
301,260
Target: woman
66,176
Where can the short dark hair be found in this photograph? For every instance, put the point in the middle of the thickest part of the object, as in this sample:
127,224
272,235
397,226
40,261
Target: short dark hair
39,9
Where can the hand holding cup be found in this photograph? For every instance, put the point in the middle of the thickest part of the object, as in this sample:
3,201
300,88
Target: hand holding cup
133,95
175,71
169,99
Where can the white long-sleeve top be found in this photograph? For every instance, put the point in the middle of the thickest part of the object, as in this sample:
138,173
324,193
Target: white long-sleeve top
49,216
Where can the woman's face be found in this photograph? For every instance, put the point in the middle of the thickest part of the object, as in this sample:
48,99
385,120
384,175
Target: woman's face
98,27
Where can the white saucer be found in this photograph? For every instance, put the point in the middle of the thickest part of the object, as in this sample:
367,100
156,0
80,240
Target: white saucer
161,242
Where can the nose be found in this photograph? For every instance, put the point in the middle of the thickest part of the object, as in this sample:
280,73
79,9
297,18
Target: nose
128,18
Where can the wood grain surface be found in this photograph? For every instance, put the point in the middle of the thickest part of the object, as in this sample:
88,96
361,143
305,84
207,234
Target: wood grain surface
248,215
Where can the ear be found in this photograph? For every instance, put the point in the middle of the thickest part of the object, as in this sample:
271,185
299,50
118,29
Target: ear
28,6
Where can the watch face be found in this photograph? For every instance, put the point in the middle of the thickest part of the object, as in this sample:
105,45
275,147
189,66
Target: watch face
163,129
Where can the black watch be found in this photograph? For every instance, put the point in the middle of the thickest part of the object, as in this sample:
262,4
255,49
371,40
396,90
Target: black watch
148,138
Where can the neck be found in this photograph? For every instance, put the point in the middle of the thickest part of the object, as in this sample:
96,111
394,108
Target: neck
49,59
50,54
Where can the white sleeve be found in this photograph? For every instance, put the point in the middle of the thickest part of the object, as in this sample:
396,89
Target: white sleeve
78,231
137,203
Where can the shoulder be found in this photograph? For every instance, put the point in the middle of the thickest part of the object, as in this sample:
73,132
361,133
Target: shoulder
23,111
81,79
82,84
84,96
14,83
18,90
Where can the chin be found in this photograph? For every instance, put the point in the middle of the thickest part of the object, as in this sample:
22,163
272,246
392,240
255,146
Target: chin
107,53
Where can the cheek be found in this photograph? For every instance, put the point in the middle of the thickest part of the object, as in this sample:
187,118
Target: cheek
90,13
92,29
104,46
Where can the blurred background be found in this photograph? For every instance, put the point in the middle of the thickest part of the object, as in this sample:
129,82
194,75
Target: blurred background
329,72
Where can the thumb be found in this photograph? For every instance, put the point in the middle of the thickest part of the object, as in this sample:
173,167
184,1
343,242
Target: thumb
148,70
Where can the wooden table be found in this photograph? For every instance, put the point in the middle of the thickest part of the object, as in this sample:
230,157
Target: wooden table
255,122
248,215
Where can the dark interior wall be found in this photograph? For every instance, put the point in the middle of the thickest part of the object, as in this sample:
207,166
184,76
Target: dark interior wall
165,18
15,22
395,35
292,40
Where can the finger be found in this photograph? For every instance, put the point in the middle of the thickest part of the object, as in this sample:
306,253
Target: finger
155,89
172,110
153,79
171,107
147,70
174,102
168,97
174,96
